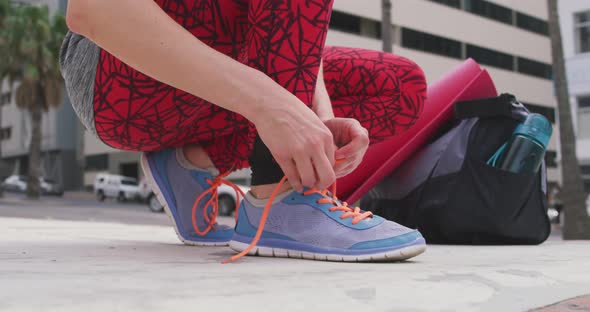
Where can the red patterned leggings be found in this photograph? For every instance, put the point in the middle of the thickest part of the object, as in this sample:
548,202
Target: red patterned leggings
282,38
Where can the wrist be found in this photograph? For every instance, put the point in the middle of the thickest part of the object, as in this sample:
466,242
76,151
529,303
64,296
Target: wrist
272,105
256,96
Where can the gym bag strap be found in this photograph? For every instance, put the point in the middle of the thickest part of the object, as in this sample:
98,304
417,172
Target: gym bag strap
504,105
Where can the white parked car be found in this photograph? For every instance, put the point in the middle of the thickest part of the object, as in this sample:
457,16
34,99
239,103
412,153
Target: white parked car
227,198
18,183
115,186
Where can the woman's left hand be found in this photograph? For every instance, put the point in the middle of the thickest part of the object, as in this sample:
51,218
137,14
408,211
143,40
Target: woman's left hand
352,141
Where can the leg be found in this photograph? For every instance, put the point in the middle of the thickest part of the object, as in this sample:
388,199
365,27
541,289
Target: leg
385,92
285,42
134,112
131,111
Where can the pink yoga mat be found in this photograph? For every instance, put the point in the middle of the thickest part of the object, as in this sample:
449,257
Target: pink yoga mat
467,81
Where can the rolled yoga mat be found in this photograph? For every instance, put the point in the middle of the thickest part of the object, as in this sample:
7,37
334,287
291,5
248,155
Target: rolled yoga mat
467,81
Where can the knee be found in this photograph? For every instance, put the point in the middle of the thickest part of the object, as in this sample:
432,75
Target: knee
411,80
379,73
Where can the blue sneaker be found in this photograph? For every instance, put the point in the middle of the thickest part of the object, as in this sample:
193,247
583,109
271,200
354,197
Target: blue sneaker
313,225
178,186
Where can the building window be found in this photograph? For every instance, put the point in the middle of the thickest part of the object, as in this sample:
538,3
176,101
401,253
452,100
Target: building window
584,102
551,159
430,43
489,10
5,98
355,25
5,133
451,3
534,68
531,23
548,112
582,26
345,22
491,57
585,170
97,162
370,28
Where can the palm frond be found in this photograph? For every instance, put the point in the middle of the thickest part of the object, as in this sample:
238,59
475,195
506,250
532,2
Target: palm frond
30,41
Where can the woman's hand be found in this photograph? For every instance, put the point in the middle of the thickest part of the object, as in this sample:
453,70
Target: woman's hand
299,141
352,141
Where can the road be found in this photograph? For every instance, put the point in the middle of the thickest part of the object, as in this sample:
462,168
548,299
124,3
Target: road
84,207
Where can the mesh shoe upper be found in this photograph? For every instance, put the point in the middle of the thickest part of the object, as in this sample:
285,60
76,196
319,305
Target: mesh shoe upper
302,219
181,187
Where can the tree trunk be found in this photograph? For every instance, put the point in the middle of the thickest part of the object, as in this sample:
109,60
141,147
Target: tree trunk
33,185
1,157
386,27
573,195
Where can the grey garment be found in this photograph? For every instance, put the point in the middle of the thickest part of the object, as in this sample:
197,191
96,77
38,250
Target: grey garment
444,156
78,60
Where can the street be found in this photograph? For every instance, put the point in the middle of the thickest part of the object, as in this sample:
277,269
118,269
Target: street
84,207
77,254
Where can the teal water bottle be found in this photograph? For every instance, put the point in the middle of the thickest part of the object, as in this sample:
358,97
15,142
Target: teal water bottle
525,150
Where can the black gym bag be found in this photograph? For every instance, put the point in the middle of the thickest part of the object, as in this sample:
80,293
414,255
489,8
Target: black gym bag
449,192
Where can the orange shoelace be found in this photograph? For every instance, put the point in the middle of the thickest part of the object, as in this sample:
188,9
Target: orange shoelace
349,212
213,202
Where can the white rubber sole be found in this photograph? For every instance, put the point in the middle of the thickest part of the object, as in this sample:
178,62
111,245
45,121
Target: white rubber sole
152,182
390,256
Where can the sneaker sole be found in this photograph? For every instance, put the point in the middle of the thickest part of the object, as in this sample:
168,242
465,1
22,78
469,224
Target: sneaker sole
400,254
156,189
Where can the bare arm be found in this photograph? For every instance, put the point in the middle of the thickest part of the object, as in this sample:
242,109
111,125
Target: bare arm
142,35
322,105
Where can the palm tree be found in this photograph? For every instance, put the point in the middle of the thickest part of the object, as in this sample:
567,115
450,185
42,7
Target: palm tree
33,43
573,196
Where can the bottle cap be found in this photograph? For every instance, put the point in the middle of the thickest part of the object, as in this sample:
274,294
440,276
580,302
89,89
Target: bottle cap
537,127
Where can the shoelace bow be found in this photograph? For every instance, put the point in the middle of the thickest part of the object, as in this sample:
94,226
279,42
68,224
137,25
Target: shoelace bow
213,202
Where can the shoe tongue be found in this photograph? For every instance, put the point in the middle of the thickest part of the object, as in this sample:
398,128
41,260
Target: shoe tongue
261,202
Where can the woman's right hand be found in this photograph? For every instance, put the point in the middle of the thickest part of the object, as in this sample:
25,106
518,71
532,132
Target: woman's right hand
299,141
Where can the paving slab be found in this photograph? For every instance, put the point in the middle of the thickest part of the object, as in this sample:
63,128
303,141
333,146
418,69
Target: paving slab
55,265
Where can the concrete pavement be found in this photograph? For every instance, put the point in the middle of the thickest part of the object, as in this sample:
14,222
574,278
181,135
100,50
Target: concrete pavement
55,265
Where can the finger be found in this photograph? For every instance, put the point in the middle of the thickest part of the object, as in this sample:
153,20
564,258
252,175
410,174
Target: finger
305,170
290,170
349,168
325,174
330,149
331,154
350,154
358,145
345,169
